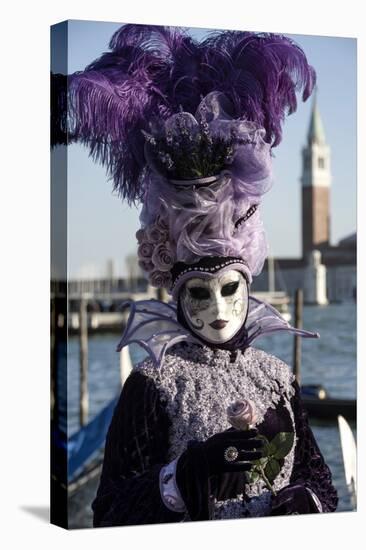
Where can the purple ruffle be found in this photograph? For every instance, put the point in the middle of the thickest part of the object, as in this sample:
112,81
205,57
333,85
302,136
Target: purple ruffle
154,326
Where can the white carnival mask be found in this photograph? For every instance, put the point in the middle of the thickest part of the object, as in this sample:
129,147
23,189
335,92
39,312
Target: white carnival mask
216,308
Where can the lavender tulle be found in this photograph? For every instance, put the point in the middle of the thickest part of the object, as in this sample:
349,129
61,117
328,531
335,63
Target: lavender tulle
153,325
202,222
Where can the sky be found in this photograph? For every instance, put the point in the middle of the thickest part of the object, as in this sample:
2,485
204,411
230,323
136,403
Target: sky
101,227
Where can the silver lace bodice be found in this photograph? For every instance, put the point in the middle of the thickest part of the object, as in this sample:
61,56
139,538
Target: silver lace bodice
196,385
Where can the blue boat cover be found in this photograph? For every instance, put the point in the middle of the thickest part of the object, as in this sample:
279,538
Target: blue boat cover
84,444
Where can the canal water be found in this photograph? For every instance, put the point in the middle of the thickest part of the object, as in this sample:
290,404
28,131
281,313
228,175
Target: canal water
330,361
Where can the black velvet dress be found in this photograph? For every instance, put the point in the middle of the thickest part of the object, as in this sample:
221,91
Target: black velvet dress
150,427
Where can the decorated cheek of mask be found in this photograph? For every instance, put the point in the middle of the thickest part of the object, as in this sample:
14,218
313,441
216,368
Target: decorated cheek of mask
216,308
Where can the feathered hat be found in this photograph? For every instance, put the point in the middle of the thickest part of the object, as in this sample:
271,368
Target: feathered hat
186,128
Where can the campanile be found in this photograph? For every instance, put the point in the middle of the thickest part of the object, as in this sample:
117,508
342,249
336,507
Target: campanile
315,180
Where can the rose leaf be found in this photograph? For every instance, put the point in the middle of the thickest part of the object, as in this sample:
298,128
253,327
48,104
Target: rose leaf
272,469
282,442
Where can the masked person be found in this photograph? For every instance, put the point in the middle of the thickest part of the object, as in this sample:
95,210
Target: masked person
187,130
168,450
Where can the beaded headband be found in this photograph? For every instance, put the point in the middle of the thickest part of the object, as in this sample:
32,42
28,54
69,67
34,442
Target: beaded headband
206,268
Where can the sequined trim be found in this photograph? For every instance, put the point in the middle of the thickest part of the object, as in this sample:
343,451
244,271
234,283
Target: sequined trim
230,509
233,508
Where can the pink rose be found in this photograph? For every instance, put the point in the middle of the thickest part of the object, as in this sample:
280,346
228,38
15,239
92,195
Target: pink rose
162,225
145,251
156,235
241,414
146,265
162,257
141,236
160,279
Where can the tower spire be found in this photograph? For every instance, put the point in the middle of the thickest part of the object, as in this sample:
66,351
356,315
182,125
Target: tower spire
316,132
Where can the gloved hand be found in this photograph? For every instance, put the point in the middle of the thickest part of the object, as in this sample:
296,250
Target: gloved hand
203,459
213,451
293,499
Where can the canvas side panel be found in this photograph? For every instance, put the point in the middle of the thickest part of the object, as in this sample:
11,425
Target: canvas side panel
59,45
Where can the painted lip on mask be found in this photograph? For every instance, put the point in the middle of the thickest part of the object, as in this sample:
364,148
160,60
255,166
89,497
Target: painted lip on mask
219,324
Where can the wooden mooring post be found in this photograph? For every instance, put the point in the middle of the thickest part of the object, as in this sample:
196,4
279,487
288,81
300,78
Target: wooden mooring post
299,300
83,343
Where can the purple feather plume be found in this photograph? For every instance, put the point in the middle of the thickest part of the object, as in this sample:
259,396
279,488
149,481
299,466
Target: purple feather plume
153,71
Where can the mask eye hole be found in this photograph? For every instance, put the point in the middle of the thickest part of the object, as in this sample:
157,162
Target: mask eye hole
229,289
199,293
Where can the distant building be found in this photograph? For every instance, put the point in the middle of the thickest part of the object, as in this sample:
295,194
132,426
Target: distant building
339,261
315,180
110,269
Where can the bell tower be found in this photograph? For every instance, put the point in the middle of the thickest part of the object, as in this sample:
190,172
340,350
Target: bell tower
315,180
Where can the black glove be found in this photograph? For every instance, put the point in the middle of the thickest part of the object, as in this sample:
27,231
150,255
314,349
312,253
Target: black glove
293,499
213,451
202,459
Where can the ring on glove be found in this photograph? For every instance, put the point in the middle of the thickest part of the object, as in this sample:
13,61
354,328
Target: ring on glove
231,454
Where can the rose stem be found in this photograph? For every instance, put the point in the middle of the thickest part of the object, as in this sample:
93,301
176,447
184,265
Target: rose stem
266,481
